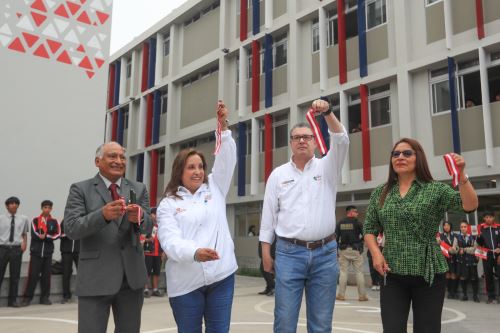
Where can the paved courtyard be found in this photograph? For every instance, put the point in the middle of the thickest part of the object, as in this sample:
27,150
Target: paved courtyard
253,313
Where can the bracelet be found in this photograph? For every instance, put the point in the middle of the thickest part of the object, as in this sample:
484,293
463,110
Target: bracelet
465,181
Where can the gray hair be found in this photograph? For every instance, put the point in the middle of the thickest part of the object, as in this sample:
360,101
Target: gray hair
299,125
99,152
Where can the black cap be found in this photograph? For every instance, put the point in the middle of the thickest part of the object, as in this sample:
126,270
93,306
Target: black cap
12,200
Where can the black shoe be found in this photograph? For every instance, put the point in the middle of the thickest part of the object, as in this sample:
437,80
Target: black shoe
465,298
264,292
13,305
45,301
271,292
157,293
475,298
25,302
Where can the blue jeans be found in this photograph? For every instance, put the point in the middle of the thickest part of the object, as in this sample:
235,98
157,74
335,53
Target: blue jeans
213,303
317,270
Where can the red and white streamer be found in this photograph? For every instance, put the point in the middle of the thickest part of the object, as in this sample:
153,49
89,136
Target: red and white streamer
316,131
218,134
452,167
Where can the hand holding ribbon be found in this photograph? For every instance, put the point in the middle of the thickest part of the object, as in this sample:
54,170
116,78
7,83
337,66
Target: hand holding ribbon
455,165
221,124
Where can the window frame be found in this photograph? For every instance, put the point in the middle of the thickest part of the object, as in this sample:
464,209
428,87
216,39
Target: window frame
166,50
384,14
378,96
283,41
314,28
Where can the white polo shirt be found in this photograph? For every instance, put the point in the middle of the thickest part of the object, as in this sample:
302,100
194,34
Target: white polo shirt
301,204
199,221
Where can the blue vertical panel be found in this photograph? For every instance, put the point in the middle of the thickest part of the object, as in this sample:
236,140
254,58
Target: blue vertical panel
121,127
156,116
453,106
140,168
363,66
268,69
242,151
256,17
152,62
116,97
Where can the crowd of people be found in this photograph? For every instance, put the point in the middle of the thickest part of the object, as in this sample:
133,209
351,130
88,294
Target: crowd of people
302,246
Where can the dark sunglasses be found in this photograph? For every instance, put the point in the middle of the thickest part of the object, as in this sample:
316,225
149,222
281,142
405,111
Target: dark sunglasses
406,153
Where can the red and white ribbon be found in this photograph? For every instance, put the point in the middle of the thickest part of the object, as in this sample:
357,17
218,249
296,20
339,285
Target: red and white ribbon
445,249
218,134
316,131
452,167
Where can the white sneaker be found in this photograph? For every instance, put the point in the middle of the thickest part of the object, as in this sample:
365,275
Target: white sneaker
374,288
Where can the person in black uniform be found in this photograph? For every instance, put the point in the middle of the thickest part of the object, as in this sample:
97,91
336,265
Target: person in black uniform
70,250
44,230
448,237
490,239
375,276
465,245
269,277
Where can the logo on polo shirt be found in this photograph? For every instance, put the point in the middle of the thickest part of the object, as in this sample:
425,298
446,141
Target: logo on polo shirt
317,178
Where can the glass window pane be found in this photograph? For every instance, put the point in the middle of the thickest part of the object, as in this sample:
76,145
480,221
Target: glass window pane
375,13
281,136
380,111
441,96
280,55
315,37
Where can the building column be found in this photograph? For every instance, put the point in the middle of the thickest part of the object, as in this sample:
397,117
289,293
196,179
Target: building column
268,24
123,81
323,62
142,123
242,82
159,59
448,23
254,160
485,99
134,80
344,116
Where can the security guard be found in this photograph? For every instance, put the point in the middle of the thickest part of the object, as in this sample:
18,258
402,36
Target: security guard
349,233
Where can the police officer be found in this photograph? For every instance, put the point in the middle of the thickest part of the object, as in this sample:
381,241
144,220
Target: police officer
349,233
70,250
490,239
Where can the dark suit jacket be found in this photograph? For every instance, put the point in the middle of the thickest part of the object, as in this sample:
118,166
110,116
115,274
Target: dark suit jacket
108,250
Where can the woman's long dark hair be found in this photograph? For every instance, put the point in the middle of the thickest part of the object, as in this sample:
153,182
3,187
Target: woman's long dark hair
178,168
421,167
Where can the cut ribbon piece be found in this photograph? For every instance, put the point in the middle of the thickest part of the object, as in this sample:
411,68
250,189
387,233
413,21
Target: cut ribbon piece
218,133
453,170
316,131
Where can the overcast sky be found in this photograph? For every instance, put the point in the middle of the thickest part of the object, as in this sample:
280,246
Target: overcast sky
132,17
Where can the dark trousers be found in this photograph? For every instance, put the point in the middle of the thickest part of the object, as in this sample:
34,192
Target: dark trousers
269,277
400,292
11,256
39,269
67,260
93,311
489,275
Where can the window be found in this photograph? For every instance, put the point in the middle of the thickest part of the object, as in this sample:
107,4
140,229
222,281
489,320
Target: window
332,28
129,69
166,46
280,132
164,103
468,85
380,106
315,36
430,2
280,51
202,12
250,63
375,13
125,118
247,215
354,113
200,76
161,162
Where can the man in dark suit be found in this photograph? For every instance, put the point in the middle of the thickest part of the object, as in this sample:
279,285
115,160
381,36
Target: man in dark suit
111,269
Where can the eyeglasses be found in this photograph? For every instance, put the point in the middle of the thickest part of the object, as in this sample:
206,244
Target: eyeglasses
305,137
406,153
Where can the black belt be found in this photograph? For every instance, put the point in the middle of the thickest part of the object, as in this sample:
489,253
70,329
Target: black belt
9,246
310,245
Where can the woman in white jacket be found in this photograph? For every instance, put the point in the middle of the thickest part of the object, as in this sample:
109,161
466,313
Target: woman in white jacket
193,230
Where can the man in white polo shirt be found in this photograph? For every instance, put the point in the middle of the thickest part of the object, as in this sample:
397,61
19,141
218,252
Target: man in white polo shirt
299,207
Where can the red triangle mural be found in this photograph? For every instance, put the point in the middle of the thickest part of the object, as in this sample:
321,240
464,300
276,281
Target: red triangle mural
99,62
38,18
64,58
90,74
53,45
83,1
61,11
16,45
73,7
85,63
41,51
30,39
38,4
84,18
103,17
81,48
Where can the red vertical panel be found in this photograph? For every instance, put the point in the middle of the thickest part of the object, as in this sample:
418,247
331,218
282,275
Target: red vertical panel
255,76
114,126
365,133
149,120
111,85
243,20
342,42
153,178
479,19
268,146
145,66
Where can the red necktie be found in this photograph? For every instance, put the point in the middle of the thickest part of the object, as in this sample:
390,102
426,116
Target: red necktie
113,188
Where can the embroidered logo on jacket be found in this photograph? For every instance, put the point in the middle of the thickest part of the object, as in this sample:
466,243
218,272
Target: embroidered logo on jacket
179,210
